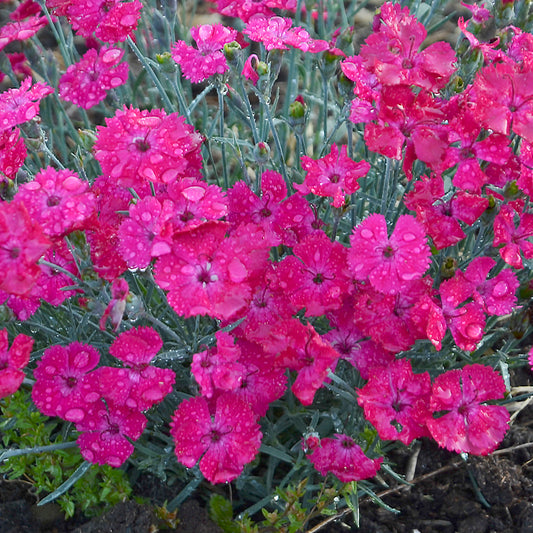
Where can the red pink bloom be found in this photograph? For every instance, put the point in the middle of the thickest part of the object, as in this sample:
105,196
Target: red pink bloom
12,361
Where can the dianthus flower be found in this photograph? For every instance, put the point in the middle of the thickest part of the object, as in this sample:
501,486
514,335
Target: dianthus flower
316,276
278,33
351,343
12,153
21,104
225,442
198,64
144,234
439,216
102,236
194,203
59,387
333,175
503,97
12,360
392,52
245,206
148,146
207,273
138,385
22,244
462,422
396,401
111,21
480,13
58,199
117,305
218,367
20,30
246,9
516,240
106,431
342,456
308,354
389,263
413,119
497,295
86,82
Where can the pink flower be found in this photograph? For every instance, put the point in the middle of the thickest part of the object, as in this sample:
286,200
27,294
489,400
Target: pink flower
316,276
60,378
12,153
246,9
136,147
392,52
22,104
308,354
86,82
396,401
344,458
225,442
277,33
198,64
12,361
480,13
106,431
22,244
137,346
389,263
516,240
218,368
117,305
111,21
461,420
20,30
333,175
58,199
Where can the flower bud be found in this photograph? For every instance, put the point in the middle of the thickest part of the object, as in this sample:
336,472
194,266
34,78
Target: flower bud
261,153
167,63
448,268
297,112
232,52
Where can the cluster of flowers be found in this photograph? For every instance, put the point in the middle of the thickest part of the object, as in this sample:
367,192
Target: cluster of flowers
210,249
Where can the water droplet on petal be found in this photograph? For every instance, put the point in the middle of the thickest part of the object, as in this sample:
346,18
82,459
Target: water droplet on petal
409,237
474,331
74,415
367,234
500,289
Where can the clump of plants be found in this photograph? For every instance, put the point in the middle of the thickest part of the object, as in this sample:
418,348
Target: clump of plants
259,251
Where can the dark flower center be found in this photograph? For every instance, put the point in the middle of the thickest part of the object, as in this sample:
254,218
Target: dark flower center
142,145
53,201
335,178
388,251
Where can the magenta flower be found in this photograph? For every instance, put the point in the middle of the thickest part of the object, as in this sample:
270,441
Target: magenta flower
59,387
396,401
278,33
333,175
389,263
111,21
58,199
20,30
461,421
136,147
86,82
21,104
106,431
392,52
198,64
343,457
246,9
516,240
12,360
117,305
22,244
12,153
316,276
224,443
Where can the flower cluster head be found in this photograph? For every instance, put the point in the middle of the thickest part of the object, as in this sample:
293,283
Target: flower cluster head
22,27
12,361
207,59
137,147
87,82
106,403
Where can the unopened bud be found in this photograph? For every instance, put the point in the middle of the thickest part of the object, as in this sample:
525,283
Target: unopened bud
448,268
261,153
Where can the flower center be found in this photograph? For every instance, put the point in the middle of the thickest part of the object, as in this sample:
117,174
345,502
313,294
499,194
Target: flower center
53,201
142,145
